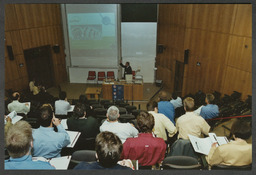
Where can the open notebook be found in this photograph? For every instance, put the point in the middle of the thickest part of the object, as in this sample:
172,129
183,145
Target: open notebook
60,163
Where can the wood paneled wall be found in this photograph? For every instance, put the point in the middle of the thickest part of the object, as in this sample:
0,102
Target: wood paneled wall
219,36
29,26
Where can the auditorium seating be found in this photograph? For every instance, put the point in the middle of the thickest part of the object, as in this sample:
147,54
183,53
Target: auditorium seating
180,162
101,76
110,75
91,75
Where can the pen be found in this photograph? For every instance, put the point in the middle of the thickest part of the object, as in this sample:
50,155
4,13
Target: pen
197,146
216,140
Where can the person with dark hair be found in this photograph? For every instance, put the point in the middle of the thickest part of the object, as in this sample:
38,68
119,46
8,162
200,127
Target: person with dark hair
146,148
19,142
122,130
83,99
16,106
62,105
191,123
47,142
165,106
176,101
210,110
108,149
234,153
127,68
88,126
162,123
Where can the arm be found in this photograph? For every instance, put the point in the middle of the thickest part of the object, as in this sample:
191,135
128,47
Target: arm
134,131
66,138
169,126
121,64
205,128
214,156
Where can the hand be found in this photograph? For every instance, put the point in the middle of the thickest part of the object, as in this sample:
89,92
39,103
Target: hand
26,104
126,162
8,119
214,145
55,121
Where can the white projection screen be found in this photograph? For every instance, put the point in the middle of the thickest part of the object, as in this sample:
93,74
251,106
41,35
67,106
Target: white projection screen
92,35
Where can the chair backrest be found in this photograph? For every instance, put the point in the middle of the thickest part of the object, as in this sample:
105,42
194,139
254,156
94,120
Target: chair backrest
180,162
82,155
133,74
110,75
91,75
101,75
244,167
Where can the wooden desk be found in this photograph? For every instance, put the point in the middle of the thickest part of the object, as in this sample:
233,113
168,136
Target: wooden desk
131,91
93,91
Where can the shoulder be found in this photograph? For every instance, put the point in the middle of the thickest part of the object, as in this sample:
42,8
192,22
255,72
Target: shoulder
86,165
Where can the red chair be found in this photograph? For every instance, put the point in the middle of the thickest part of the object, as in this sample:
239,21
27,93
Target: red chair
91,75
110,75
133,74
101,76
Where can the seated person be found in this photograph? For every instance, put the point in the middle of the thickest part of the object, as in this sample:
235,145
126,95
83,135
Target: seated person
15,105
35,88
162,123
122,130
210,110
176,101
31,85
19,142
62,105
234,153
191,123
47,142
145,148
88,126
166,107
108,150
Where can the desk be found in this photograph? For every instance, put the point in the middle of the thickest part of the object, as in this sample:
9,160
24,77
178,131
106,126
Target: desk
131,91
93,91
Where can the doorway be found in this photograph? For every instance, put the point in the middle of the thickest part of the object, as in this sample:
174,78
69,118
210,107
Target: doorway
39,65
178,79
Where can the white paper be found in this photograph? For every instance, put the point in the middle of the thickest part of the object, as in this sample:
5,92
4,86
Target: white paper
198,111
71,109
60,163
29,104
64,123
15,118
73,138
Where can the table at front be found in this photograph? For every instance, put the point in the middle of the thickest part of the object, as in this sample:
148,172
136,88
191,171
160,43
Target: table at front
131,91
93,91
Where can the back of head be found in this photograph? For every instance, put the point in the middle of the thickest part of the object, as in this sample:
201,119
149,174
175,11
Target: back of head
18,139
210,98
241,129
162,96
145,122
46,115
15,96
152,105
79,110
189,104
62,95
113,113
174,95
83,99
127,63
108,148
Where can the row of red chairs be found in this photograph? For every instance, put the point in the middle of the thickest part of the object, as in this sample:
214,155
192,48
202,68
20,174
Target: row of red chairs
101,75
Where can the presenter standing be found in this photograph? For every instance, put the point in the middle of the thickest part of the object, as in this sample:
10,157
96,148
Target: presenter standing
127,68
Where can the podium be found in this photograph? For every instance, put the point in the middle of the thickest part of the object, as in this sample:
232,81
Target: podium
130,91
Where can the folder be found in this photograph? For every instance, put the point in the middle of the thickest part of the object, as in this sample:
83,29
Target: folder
73,138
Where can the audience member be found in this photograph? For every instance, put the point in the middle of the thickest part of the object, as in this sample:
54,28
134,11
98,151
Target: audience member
47,142
122,130
176,101
127,68
88,126
83,99
145,148
234,153
8,123
19,142
35,89
108,150
31,85
15,105
210,110
162,123
166,107
62,105
191,123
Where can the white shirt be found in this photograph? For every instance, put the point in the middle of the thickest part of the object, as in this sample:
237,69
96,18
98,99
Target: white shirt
176,103
122,130
18,107
161,123
193,124
61,107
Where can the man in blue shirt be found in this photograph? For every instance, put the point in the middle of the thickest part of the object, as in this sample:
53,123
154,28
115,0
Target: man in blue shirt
47,142
166,107
210,110
19,142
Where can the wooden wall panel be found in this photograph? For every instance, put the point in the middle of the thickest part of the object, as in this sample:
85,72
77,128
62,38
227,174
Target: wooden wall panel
13,39
243,20
240,55
11,22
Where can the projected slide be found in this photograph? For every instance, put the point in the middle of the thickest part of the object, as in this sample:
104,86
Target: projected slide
92,31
